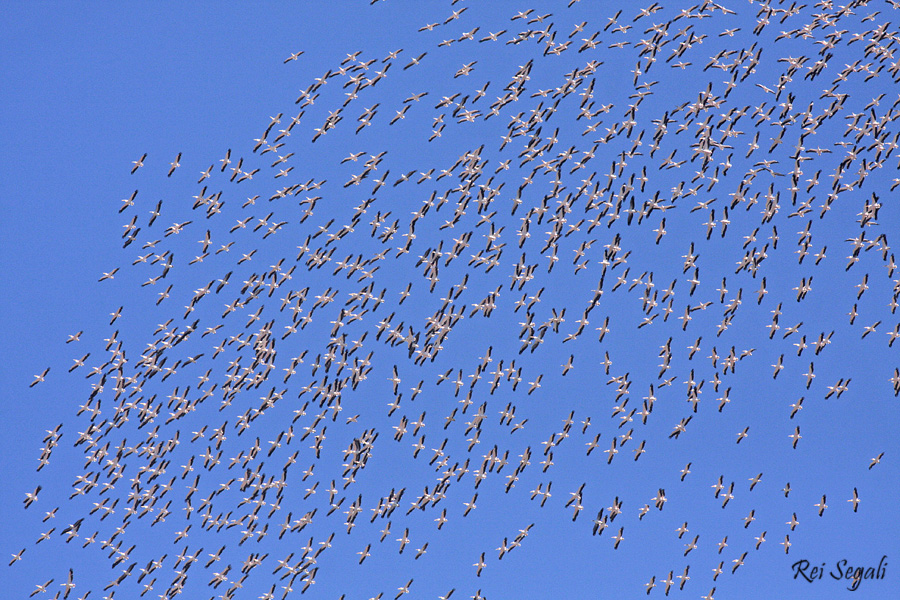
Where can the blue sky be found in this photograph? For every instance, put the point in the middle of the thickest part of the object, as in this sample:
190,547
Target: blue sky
94,88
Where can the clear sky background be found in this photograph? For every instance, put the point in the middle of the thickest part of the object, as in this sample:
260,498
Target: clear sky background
90,89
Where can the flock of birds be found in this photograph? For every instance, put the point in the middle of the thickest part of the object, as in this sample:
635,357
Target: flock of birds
574,215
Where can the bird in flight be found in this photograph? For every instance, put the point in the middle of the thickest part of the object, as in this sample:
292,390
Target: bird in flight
138,163
32,497
174,165
40,378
